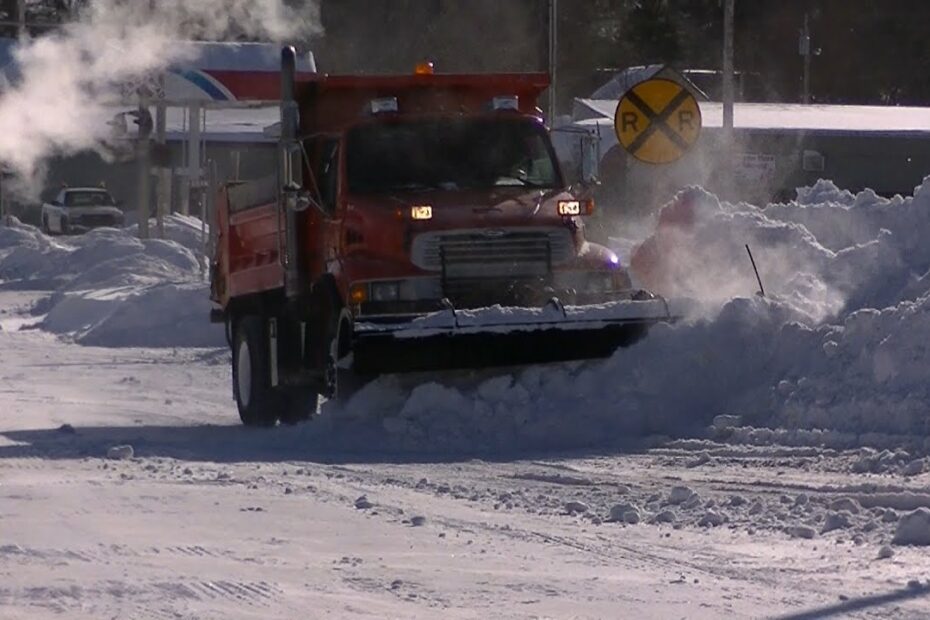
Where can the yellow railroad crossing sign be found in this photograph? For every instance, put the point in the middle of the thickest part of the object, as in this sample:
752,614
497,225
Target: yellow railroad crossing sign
658,121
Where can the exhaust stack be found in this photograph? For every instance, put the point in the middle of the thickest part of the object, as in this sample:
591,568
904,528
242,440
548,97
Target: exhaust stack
290,178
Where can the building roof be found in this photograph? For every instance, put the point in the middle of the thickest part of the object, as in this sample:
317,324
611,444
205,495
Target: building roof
218,74
624,80
834,119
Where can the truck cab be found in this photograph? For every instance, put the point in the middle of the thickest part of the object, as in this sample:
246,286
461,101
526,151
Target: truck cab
414,210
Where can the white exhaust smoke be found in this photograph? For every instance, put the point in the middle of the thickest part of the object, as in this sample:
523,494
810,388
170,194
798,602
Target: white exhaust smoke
58,103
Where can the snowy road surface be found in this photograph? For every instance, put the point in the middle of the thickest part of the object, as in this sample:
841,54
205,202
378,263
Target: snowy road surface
211,520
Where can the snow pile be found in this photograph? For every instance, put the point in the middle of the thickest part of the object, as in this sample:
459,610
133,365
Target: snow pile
698,251
835,353
187,230
672,382
112,289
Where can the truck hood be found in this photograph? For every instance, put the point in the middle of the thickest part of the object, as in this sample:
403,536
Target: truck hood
505,206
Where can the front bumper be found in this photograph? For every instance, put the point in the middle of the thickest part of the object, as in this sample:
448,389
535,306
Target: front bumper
500,335
86,224
426,294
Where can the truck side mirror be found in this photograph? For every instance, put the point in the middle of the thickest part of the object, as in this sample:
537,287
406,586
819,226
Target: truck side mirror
293,159
296,198
296,155
590,159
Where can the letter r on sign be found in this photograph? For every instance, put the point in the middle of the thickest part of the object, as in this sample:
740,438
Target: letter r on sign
685,118
629,119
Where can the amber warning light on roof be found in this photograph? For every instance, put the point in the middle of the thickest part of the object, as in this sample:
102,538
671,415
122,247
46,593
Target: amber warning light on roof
424,68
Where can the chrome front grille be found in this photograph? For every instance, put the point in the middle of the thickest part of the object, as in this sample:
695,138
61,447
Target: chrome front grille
493,253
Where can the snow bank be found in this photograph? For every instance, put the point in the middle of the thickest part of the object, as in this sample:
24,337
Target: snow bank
836,352
112,289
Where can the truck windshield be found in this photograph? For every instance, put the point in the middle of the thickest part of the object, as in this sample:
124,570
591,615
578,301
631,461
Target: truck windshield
449,154
88,198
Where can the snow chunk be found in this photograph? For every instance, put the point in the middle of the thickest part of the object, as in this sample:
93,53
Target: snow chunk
120,453
913,528
722,422
680,494
712,519
574,507
914,468
666,516
801,531
632,517
846,503
619,511
835,521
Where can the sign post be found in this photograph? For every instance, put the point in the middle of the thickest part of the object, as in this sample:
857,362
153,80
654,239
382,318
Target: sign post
658,121
553,58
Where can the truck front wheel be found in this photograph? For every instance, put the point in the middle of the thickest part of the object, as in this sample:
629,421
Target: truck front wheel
342,382
255,397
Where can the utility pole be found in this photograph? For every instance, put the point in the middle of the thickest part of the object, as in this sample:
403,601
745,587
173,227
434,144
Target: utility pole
728,90
194,165
727,162
161,171
21,18
553,56
143,165
804,48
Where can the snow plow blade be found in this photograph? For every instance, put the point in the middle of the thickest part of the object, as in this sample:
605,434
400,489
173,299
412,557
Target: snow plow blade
501,336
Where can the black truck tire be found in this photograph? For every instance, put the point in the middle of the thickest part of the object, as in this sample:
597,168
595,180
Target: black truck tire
342,383
257,400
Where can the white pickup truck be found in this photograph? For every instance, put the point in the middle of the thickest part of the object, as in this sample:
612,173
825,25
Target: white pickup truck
78,209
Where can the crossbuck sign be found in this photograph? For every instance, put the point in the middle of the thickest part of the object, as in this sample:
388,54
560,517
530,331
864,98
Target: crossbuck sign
658,121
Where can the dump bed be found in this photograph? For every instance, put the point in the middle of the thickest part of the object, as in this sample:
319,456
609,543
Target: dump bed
247,257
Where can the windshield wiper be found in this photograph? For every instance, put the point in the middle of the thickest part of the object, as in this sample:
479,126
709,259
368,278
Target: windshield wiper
524,182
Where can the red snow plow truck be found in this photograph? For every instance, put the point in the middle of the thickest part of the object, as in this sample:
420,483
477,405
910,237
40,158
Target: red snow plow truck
416,223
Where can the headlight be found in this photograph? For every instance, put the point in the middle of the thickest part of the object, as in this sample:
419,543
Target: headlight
385,291
421,212
569,207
